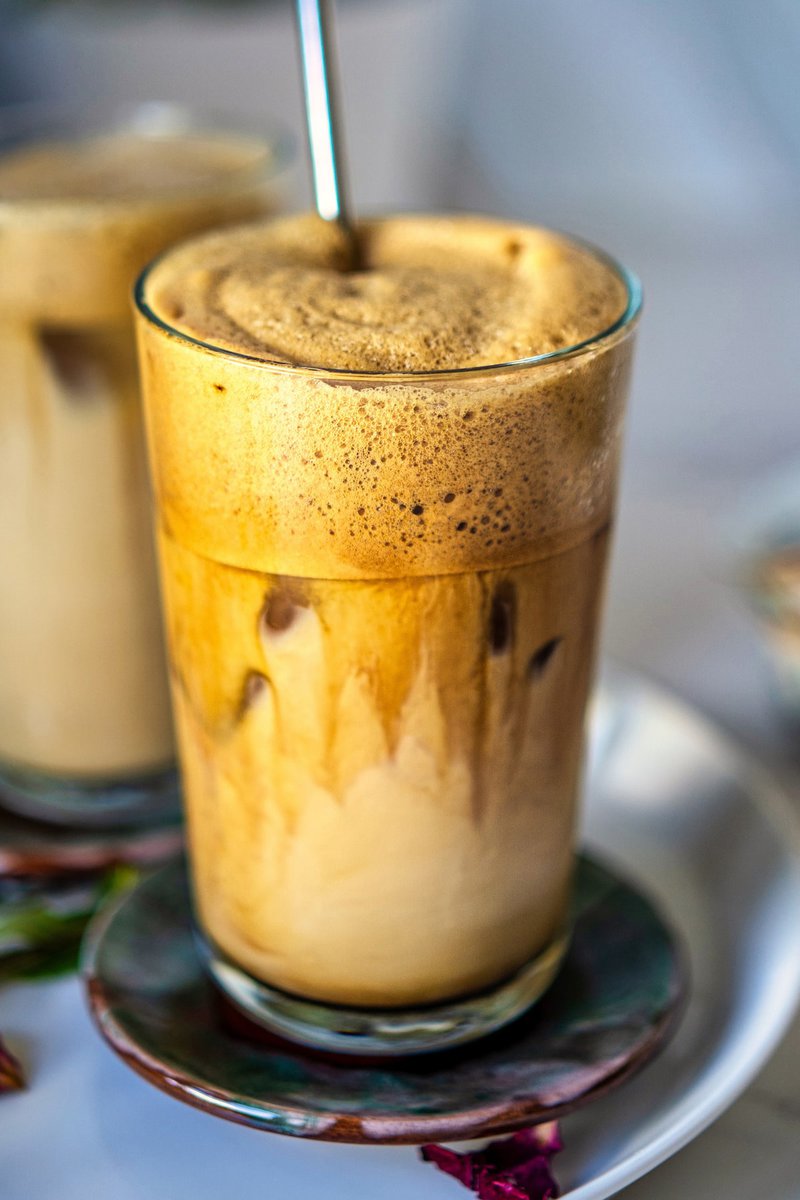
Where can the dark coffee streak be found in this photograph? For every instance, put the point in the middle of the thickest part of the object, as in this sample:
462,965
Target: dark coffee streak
280,609
73,358
502,618
540,659
254,685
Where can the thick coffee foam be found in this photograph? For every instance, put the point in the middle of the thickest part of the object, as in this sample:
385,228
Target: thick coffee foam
124,166
370,477
80,218
434,294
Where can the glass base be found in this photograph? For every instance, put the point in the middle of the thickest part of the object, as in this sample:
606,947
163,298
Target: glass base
385,1031
132,801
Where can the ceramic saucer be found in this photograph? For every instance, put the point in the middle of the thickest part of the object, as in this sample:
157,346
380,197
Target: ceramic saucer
34,848
614,1004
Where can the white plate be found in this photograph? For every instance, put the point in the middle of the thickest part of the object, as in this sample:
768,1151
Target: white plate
716,843
673,804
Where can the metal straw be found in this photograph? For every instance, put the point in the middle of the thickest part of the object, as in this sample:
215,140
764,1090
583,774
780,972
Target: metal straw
314,26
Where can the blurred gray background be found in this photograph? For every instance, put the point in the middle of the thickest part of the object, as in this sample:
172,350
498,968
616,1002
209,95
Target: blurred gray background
668,131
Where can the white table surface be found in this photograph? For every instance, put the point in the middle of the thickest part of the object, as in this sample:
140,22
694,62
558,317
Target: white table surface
89,1127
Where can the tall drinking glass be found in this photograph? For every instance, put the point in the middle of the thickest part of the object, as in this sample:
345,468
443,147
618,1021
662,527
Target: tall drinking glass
382,594
85,726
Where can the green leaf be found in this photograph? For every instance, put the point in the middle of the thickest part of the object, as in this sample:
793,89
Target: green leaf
42,922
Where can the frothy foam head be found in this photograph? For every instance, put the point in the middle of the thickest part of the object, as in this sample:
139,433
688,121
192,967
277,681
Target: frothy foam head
436,293
126,166
80,218
264,466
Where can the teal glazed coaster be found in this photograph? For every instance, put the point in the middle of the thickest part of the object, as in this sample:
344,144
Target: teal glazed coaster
615,1002
34,848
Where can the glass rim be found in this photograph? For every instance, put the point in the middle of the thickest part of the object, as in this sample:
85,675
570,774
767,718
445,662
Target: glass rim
621,325
28,121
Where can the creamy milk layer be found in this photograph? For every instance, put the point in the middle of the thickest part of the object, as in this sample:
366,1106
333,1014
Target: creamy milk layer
82,684
382,594
381,777
82,675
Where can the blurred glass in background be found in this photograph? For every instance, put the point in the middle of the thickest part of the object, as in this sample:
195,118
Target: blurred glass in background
402,65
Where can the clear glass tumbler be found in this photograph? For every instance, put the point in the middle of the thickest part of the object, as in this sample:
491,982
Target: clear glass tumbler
85,725
381,664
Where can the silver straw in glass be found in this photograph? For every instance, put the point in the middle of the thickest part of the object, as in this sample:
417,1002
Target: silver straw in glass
314,26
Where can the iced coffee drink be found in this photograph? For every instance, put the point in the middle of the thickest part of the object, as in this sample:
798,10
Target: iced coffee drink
85,726
384,499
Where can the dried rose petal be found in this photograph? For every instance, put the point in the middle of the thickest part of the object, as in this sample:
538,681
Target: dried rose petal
514,1168
502,1189
528,1181
520,1148
11,1077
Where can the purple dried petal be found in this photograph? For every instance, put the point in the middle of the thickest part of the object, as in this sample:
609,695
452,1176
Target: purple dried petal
522,1146
536,1179
514,1168
11,1077
492,1187
458,1165
528,1181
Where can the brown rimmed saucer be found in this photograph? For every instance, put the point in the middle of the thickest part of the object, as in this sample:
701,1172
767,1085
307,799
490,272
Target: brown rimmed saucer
614,1004
34,848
